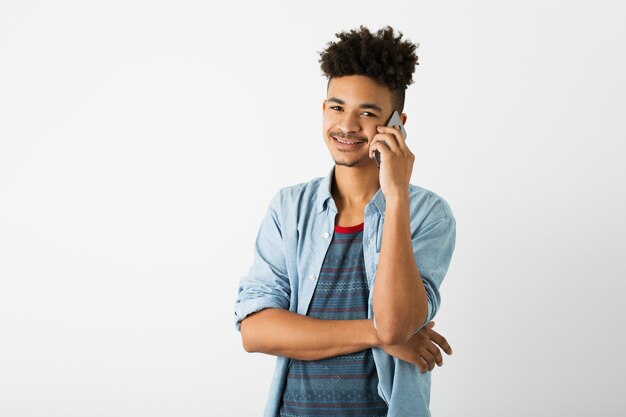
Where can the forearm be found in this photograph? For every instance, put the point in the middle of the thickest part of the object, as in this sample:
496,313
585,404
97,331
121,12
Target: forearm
283,333
399,302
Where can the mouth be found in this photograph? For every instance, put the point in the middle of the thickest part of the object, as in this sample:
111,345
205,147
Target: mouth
346,143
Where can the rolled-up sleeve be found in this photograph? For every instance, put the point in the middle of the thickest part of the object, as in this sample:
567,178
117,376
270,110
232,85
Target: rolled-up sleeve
267,282
433,245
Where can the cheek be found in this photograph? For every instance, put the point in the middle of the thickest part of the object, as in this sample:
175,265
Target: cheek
370,131
328,123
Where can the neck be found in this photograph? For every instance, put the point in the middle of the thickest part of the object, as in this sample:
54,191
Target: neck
354,187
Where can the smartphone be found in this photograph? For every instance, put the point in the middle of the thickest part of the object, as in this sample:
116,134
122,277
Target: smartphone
394,121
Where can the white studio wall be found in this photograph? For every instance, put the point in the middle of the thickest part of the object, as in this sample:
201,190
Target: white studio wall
141,142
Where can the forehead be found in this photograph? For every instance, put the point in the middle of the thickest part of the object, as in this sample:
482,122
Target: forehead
357,89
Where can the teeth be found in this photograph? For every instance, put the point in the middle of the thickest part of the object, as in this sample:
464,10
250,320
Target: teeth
347,143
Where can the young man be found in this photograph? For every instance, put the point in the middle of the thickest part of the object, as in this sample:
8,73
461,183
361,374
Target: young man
347,268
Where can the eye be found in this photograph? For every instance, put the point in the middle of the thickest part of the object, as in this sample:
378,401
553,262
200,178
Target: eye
369,114
337,108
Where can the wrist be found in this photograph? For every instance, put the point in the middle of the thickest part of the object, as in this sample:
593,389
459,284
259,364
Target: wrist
372,335
397,199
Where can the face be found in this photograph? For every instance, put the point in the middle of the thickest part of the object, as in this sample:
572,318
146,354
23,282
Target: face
354,107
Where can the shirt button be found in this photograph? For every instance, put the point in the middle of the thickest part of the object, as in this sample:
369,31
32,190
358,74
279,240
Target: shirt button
312,277
326,235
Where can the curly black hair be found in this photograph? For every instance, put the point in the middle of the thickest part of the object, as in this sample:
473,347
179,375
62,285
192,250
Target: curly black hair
383,56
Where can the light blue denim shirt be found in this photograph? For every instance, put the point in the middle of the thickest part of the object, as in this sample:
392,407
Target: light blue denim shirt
288,255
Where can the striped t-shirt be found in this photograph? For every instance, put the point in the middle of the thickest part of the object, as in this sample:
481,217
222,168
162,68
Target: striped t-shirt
344,385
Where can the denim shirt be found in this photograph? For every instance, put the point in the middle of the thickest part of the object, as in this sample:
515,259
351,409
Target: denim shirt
288,254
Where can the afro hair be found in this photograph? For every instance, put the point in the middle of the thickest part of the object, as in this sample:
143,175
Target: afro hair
382,56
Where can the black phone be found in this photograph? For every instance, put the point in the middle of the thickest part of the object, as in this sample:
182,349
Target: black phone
394,121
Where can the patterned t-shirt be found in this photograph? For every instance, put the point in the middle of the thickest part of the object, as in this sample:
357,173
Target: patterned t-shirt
344,385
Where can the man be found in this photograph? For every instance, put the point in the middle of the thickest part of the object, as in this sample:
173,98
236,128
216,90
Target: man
347,268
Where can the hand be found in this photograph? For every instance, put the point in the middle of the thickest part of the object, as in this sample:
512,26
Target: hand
420,349
396,161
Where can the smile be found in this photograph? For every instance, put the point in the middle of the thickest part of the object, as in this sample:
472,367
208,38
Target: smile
347,142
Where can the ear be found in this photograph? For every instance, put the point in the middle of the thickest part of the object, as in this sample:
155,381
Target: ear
323,105
403,118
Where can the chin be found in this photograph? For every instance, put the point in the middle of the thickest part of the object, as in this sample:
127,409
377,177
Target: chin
347,164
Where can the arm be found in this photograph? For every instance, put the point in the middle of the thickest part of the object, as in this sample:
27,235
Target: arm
404,298
415,292
262,307
284,333
421,350
399,302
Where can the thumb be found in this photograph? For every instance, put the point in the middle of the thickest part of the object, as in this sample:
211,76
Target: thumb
430,324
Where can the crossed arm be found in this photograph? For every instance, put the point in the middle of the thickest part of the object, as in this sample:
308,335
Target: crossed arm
400,302
284,333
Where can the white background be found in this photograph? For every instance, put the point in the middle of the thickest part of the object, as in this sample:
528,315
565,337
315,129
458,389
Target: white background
141,142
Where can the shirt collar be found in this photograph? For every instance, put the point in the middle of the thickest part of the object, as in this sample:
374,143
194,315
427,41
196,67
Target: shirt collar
324,195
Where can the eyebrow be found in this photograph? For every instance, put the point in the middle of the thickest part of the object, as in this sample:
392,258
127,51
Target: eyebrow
363,105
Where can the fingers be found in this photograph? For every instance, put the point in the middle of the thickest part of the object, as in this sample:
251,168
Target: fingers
441,341
429,359
422,365
395,134
423,349
380,145
387,140
389,136
384,144
429,352
436,353
390,140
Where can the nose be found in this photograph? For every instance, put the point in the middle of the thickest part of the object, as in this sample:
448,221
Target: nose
349,123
